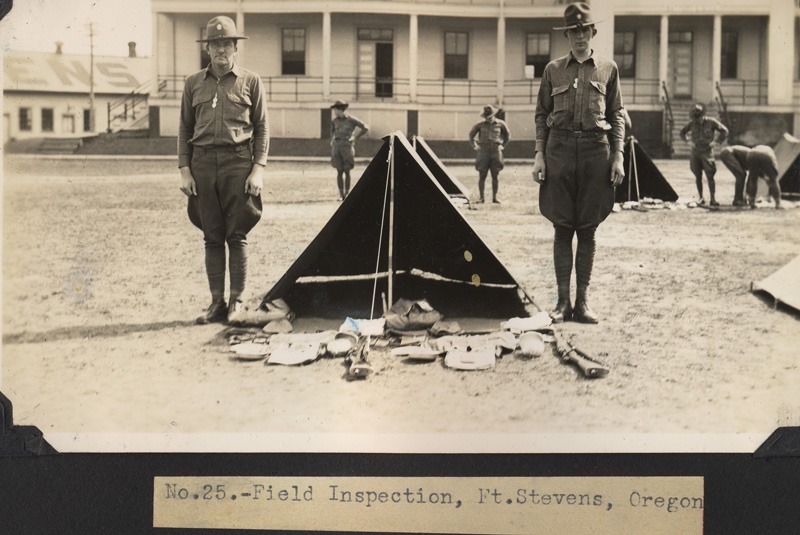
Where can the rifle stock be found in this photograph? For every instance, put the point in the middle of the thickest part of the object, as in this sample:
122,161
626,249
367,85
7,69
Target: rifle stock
588,367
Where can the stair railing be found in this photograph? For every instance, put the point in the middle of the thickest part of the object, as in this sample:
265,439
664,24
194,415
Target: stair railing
669,119
722,105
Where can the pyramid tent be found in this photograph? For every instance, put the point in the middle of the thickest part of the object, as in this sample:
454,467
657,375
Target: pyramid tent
398,235
450,184
787,151
641,172
783,285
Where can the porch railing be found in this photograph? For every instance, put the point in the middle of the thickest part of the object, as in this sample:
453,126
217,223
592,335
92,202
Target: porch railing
744,92
722,104
123,112
398,90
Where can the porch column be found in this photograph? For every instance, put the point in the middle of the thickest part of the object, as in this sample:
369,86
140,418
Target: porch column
780,43
716,55
326,55
154,17
501,56
240,45
413,55
663,49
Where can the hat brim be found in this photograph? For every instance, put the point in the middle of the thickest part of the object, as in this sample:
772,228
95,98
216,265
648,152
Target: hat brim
570,26
340,106
233,37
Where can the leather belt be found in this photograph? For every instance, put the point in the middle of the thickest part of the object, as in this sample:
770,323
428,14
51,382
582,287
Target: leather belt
231,148
579,133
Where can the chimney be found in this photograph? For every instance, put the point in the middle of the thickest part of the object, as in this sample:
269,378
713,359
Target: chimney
59,44
132,49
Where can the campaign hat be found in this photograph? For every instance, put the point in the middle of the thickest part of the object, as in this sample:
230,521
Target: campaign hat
577,15
340,104
220,28
488,111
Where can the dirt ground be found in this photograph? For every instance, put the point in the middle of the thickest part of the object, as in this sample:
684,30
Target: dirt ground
103,276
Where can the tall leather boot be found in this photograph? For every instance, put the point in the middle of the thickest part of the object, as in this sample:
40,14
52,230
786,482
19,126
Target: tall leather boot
562,260
582,312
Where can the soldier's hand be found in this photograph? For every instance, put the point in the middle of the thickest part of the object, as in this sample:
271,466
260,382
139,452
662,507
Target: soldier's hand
617,168
255,181
539,168
188,185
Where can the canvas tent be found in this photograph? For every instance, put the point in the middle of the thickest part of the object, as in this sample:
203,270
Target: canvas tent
787,151
398,235
783,285
450,184
642,177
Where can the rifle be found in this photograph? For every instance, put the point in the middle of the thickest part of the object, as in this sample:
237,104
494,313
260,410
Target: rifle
590,368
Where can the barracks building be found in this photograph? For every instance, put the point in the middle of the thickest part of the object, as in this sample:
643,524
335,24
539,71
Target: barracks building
48,94
426,67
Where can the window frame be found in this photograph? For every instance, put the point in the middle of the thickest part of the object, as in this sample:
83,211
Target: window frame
48,123
729,59
540,59
621,51
300,56
25,114
455,62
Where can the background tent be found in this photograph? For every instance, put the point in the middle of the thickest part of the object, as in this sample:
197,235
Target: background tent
397,233
450,184
783,285
787,151
651,183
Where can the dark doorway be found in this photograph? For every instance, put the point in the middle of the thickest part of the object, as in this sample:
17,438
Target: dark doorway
384,68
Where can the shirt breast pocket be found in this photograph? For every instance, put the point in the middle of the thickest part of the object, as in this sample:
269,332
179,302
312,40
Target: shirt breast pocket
597,100
202,100
559,95
239,108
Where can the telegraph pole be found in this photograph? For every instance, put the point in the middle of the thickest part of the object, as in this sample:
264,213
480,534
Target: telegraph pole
91,78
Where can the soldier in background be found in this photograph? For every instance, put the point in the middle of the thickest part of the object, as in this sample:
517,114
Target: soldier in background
343,144
704,131
493,136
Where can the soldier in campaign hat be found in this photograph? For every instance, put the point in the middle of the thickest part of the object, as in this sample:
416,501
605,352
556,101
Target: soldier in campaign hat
493,136
343,144
704,131
579,155
223,140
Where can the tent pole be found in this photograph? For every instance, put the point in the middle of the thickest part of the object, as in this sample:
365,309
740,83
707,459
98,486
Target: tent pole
390,260
635,170
630,167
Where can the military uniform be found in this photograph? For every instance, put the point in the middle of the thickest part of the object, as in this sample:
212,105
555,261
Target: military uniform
748,165
343,150
703,132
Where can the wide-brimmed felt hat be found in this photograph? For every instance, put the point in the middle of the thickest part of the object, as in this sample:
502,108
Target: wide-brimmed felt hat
340,104
488,111
220,28
577,15
698,109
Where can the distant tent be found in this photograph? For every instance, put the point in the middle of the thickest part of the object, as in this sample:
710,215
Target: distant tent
398,235
642,177
783,285
450,184
787,151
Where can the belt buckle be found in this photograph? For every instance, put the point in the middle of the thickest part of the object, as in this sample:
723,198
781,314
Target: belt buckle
578,133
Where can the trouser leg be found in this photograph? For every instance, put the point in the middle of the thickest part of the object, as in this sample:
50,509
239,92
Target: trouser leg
495,183
215,270
584,262
562,261
482,181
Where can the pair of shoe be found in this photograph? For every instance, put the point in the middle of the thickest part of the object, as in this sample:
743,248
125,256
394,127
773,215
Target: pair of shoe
219,312
581,313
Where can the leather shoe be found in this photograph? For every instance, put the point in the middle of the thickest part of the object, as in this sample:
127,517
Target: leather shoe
216,312
496,200
562,312
584,314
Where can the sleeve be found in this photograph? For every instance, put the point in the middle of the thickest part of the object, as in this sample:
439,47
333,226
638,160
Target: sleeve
723,131
685,130
614,111
359,123
474,132
505,133
544,105
186,125
258,116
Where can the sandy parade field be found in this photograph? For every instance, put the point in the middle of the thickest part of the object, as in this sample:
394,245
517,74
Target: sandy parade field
103,277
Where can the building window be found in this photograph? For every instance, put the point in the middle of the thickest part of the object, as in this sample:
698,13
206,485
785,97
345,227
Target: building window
456,54
625,53
375,34
47,119
87,121
293,51
537,52
730,55
25,123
